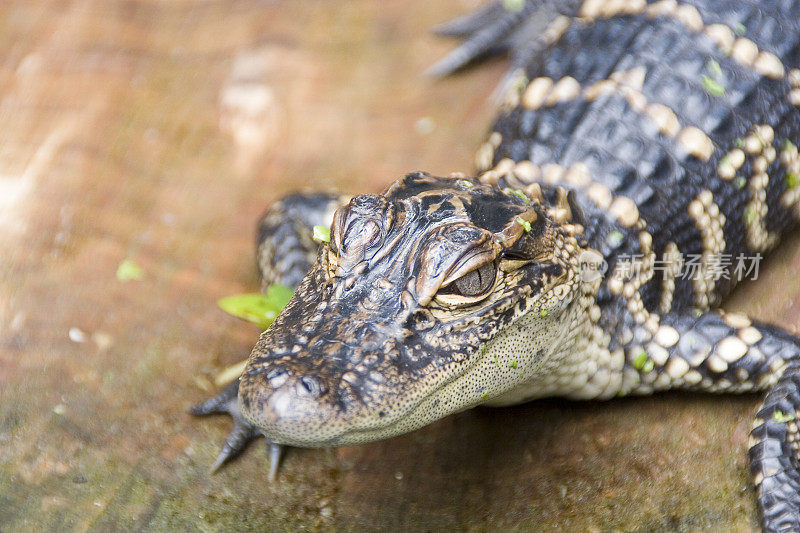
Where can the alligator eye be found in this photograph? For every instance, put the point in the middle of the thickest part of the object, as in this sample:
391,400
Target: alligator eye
475,282
473,285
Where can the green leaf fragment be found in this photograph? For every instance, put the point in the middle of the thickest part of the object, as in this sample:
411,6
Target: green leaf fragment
712,86
782,417
739,182
739,142
640,360
792,179
740,28
484,395
543,313
614,238
128,270
749,216
788,145
648,366
512,364
524,223
260,309
513,6
516,192
321,234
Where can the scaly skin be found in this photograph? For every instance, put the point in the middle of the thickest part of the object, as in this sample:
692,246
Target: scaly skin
638,137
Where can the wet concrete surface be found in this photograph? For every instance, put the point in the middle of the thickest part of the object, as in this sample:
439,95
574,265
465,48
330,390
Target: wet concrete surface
158,132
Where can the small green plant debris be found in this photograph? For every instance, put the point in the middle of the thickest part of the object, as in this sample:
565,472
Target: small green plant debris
513,6
792,180
713,82
321,234
524,223
260,309
739,182
782,417
739,142
648,366
512,364
128,270
484,395
749,216
640,360
740,29
543,313
516,192
788,145
521,82
712,86
614,238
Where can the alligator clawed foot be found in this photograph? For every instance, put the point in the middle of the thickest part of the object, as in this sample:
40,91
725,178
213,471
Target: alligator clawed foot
226,402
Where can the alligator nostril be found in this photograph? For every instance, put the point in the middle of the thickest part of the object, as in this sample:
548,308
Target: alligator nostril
308,386
277,377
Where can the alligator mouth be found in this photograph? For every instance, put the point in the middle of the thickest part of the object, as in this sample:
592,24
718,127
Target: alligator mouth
291,419
315,396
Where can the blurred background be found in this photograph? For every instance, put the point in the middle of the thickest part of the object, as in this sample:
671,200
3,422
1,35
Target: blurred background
140,140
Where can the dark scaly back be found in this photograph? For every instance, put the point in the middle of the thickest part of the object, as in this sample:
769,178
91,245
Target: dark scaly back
660,109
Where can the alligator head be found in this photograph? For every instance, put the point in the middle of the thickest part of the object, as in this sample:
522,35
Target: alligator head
415,310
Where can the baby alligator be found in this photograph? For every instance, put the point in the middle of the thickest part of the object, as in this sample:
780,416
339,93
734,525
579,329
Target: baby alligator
643,162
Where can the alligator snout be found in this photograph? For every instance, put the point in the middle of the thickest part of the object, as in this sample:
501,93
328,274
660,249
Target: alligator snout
289,405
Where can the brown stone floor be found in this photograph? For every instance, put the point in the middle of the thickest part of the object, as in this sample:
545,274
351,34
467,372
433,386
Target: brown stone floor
158,131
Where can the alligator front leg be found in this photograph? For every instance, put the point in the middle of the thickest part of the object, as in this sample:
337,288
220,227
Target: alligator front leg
284,243
285,252
726,352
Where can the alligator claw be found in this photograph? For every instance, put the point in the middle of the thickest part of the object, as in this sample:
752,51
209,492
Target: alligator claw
488,31
498,28
226,402
241,434
275,454
471,22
